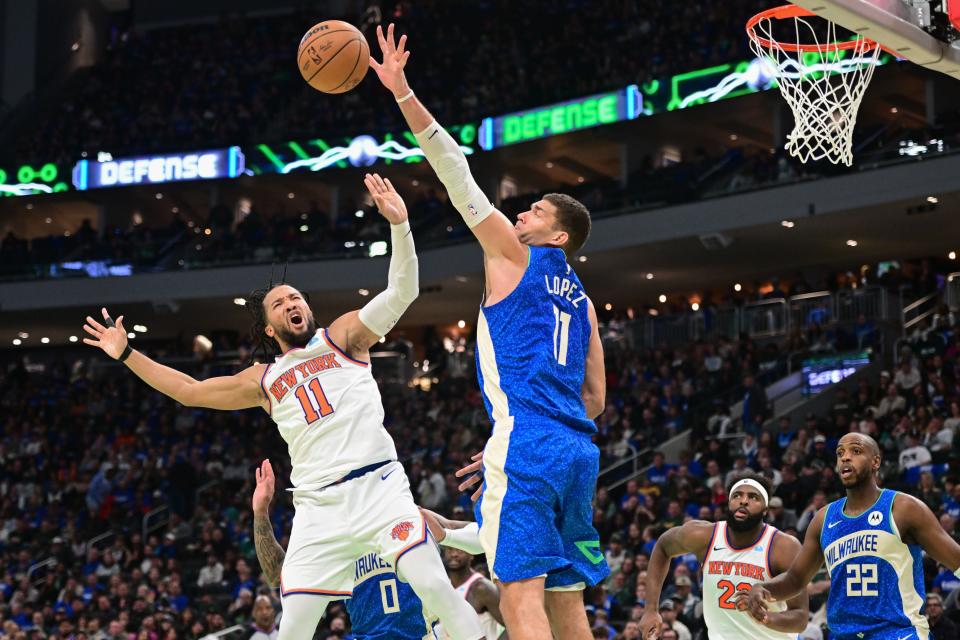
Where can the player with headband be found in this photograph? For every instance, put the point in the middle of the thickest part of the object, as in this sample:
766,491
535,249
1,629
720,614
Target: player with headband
735,554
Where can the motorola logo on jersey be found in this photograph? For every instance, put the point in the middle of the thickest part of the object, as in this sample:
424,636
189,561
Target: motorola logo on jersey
875,518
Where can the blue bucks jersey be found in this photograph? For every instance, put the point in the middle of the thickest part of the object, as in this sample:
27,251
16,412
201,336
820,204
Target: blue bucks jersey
532,347
382,607
876,581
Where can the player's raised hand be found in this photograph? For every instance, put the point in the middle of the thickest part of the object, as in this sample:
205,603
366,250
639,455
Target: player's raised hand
395,56
263,494
650,625
472,468
388,201
109,336
754,601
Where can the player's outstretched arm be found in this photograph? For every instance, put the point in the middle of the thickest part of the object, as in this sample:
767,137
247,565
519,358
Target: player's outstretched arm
240,391
459,534
791,582
491,228
269,552
691,537
594,390
359,330
794,619
917,522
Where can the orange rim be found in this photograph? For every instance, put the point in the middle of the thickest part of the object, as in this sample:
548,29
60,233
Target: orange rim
788,11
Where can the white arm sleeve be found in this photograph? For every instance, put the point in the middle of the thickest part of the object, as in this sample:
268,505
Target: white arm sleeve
466,539
380,314
450,165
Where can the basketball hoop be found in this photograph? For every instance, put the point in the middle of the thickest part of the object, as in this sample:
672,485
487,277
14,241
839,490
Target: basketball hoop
822,78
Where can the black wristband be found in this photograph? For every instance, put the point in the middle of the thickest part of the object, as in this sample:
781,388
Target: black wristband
126,353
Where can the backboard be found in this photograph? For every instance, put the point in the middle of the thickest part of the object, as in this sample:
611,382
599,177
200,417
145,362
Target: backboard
924,32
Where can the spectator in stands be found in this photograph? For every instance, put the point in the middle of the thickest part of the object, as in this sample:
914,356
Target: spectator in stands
953,421
820,457
432,489
689,604
263,625
928,492
946,582
780,517
907,377
891,402
100,488
754,404
941,628
818,501
720,424
938,438
616,553
631,631
668,612
660,472
211,575
914,454
951,505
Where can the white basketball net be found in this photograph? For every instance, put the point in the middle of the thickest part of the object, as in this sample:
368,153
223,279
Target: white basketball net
823,87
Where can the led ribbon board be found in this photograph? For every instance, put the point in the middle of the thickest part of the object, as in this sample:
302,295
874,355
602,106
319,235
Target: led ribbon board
725,81
194,165
365,150
563,117
820,373
27,180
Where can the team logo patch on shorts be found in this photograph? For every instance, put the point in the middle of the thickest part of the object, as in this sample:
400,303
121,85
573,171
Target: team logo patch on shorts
591,549
402,531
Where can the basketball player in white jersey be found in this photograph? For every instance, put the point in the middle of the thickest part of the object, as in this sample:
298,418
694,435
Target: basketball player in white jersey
461,541
734,554
476,589
351,495
872,541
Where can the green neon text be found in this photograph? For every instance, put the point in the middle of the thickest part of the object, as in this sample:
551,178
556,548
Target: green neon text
560,119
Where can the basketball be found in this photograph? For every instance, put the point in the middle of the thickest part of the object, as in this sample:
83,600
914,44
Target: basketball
333,56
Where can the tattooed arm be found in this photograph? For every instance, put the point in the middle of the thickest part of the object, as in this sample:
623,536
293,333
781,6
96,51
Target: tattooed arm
269,552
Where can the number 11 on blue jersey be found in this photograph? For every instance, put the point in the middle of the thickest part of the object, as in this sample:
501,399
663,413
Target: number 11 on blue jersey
561,334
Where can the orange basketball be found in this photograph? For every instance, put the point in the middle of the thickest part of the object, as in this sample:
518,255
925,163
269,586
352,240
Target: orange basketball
333,56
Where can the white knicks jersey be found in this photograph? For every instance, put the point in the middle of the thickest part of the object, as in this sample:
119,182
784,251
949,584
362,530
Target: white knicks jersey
488,624
726,570
328,409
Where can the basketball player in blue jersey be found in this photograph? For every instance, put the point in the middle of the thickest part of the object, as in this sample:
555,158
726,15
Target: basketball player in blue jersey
381,607
540,364
872,541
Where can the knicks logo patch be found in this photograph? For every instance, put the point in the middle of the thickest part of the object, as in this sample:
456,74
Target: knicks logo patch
402,531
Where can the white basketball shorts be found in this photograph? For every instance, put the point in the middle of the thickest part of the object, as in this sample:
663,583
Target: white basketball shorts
334,526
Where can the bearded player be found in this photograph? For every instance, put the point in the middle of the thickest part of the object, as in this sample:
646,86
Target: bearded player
734,554
351,495
540,367
873,542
